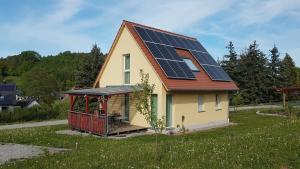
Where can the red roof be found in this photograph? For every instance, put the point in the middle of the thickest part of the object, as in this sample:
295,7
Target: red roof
202,81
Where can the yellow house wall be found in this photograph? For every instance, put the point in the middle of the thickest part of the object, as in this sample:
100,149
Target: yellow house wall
115,104
186,104
113,74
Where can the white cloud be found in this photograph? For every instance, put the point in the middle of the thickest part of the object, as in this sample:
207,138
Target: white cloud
177,15
173,15
49,30
252,12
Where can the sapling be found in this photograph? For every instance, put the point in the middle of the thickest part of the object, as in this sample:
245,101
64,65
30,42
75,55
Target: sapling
181,128
142,94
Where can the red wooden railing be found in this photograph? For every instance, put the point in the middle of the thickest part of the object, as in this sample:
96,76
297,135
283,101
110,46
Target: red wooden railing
87,122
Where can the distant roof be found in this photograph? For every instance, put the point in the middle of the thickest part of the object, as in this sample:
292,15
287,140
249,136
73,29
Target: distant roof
7,87
24,103
7,94
104,91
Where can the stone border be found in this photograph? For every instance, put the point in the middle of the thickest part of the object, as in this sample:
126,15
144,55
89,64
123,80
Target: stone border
268,114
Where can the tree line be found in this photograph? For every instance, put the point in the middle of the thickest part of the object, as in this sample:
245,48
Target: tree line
46,78
258,74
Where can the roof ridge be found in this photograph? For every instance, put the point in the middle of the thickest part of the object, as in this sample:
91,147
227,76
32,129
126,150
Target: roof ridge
160,30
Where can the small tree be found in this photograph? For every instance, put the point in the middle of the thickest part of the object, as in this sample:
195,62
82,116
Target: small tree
237,99
142,95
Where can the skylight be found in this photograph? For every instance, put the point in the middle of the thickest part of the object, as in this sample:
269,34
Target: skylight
191,65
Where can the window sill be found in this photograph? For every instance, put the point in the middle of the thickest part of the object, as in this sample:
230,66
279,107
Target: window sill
201,111
218,109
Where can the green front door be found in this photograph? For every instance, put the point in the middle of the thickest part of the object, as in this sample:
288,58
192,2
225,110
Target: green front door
153,109
126,106
169,110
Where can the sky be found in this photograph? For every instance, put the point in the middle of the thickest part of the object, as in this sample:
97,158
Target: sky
53,26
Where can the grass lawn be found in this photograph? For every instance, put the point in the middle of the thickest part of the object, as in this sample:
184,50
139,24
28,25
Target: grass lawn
256,142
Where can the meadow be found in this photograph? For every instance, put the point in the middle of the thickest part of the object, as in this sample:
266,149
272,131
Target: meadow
254,142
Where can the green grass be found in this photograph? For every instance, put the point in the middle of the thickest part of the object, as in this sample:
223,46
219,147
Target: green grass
256,142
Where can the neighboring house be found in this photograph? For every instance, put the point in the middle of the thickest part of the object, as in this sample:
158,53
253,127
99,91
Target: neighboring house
27,103
7,96
188,81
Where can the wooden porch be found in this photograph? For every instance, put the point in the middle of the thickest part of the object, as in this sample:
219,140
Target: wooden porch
98,120
97,125
125,128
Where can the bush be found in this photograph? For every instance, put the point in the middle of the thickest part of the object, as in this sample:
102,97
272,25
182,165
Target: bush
36,113
61,107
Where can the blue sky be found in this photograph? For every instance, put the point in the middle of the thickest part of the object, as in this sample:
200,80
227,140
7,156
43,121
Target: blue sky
53,26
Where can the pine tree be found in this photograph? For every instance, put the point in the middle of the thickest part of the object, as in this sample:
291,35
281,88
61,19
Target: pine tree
229,62
88,71
288,71
274,73
253,75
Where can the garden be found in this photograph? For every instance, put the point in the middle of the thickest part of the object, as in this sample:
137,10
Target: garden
254,142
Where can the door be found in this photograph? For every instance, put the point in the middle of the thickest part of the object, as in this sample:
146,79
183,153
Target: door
126,106
169,110
153,109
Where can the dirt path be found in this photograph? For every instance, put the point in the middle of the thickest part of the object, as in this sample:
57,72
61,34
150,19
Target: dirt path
33,124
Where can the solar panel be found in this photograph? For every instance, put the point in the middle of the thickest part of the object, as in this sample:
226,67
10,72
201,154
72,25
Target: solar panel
162,46
168,39
167,68
216,73
204,58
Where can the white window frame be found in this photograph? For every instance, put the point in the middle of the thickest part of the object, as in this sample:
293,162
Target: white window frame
218,102
124,68
201,104
188,61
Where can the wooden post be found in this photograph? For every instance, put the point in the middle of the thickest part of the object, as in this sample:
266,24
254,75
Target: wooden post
104,107
283,98
86,104
71,102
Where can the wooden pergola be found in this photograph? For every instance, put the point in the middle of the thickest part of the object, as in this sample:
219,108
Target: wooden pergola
286,91
94,121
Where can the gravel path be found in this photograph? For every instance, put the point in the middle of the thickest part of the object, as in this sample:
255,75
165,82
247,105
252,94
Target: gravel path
10,151
33,124
255,107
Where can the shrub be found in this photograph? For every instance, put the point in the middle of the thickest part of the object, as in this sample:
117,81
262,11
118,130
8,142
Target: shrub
42,112
61,107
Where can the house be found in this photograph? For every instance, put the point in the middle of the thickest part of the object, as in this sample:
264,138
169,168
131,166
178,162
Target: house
188,82
7,96
27,103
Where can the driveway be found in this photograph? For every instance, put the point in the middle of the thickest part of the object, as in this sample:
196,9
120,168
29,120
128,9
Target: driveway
33,124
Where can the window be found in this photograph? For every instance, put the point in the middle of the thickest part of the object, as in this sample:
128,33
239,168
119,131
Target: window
191,65
218,102
127,69
200,104
1,98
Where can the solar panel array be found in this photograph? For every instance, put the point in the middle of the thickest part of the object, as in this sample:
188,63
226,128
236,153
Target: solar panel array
162,46
213,69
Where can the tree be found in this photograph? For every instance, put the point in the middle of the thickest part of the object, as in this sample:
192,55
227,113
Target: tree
288,71
298,76
229,62
39,84
253,77
274,66
87,73
21,63
142,95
